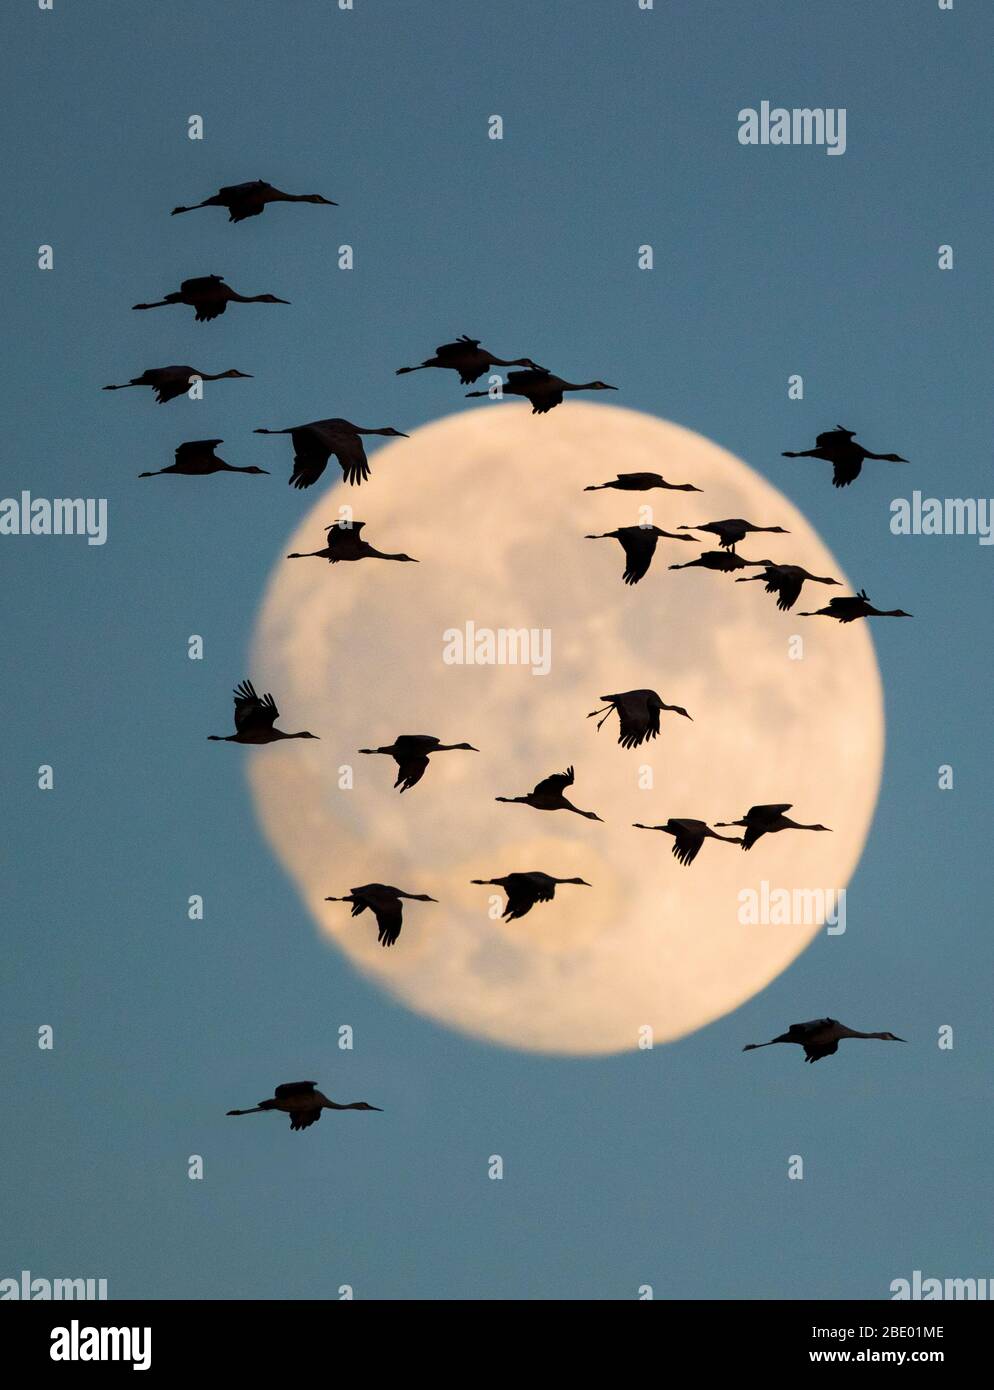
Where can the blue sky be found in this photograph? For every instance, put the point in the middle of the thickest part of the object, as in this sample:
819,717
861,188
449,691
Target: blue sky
664,1168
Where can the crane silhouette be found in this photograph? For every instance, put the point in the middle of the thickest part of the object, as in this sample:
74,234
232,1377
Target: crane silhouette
170,382
639,545
786,581
542,388
733,530
249,199
524,890
638,715
210,296
820,1037
723,561
469,359
765,820
345,543
303,1103
839,448
641,482
196,459
411,753
255,717
386,905
547,795
688,836
315,443
847,610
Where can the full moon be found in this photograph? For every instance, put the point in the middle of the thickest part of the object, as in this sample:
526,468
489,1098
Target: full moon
491,502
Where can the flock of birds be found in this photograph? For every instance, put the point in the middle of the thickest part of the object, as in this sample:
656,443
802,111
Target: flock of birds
316,442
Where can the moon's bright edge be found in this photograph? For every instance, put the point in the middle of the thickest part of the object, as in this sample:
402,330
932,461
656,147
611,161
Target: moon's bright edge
491,503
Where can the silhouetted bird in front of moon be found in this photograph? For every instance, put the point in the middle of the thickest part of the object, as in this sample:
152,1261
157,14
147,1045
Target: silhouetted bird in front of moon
639,545
721,561
345,543
733,530
548,795
314,444
688,836
411,753
847,610
765,820
255,718
638,715
786,581
386,903
526,889
641,482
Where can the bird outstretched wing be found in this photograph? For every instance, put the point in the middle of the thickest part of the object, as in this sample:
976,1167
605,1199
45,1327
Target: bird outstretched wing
687,842
253,711
638,720
524,891
410,770
767,812
195,448
827,438
557,782
846,472
389,918
294,1088
300,1119
787,589
310,456
639,545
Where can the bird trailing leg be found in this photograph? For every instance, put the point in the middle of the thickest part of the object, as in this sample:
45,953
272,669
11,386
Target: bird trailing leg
606,713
